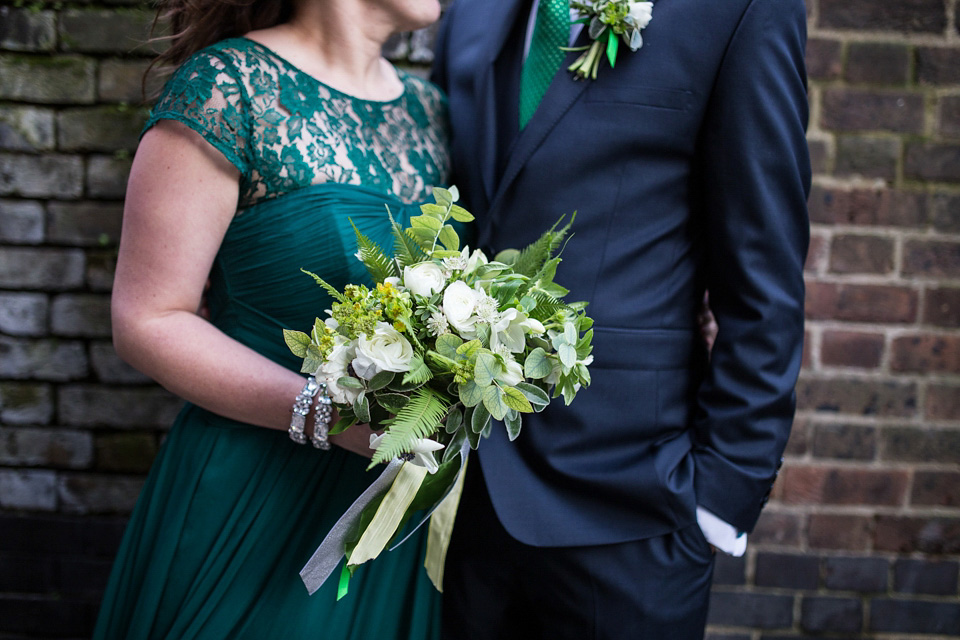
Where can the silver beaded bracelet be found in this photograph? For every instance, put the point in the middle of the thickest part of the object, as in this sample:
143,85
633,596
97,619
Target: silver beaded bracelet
301,408
323,415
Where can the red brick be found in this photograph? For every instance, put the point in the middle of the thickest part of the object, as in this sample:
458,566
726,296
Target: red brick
907,535
824,59
867,156
839,532
907,15
819,155
828,485
926,354
936,488
845,442
950,116
883,207
864,110
943,402
934,162
920,444
861,303
851,349
806,363
781,529
941,307
932,259
945,212
817,253
938,65
861,254
857,397
877,63
799,437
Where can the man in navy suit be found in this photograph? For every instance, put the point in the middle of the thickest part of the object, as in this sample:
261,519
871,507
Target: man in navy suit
688,166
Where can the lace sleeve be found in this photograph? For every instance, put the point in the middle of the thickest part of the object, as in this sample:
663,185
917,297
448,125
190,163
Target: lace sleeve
207,94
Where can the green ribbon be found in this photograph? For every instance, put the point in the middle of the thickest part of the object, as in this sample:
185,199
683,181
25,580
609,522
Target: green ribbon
344,583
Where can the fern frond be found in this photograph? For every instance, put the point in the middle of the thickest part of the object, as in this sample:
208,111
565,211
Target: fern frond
420,418
378,264
546,307
406,250
533,256
336,295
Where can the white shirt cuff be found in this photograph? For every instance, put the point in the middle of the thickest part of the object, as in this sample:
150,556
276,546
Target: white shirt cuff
721,534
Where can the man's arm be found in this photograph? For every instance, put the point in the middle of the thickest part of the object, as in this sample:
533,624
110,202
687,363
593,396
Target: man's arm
756,176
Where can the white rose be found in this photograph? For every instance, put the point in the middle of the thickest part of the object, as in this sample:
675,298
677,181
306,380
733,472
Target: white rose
459,303
335,367
423,279
640,14
385,350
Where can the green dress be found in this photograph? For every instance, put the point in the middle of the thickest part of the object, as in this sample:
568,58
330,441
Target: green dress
230,512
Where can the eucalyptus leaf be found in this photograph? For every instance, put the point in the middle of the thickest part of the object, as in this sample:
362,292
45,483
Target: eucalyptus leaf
350,382
453,447
426,222
479,418
447,345
568,355
486,369
493,400
392,402
454,420
361,406
570,333
380,380
516,400
470,394
473,438
297,341
537,365
443,196
344,423
513,422
434,210
533,393
468,349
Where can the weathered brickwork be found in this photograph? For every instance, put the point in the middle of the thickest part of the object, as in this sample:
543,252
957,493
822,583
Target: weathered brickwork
861,538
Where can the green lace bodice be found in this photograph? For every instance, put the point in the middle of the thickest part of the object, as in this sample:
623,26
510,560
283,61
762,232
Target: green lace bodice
284,130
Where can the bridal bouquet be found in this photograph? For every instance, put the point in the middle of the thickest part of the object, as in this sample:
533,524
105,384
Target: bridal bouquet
443,344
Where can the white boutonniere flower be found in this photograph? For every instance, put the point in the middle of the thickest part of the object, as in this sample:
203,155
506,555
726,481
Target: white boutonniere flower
609,22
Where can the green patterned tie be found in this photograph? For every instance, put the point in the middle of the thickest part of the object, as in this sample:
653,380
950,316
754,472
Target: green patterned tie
551,32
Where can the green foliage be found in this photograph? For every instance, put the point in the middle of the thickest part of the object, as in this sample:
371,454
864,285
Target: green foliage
419,419
537,365
336,295
419,372
378,264
532,258
513,422
297,342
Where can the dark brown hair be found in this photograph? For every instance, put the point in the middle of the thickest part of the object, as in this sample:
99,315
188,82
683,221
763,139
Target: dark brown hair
195,24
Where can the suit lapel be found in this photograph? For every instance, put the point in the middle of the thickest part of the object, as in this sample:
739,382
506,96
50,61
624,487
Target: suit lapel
560,96
500,25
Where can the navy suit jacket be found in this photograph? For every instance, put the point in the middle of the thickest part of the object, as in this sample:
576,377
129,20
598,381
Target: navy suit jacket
689,169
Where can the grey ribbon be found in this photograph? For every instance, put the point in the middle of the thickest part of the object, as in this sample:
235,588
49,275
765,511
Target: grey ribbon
327,556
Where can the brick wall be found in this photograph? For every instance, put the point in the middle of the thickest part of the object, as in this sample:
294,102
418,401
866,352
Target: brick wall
862,538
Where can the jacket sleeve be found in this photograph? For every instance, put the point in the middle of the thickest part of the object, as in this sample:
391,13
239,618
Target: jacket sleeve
754,173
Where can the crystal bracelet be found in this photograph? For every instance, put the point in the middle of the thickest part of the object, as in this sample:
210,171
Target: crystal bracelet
322,417
301,408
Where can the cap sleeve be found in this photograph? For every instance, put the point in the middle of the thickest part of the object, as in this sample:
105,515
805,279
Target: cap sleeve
207,95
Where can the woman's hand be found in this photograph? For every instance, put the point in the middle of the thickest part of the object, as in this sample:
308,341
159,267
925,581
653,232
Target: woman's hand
356,440
708,324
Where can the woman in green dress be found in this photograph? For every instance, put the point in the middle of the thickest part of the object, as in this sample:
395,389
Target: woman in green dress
282,127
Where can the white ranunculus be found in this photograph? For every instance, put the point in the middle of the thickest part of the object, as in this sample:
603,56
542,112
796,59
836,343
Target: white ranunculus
422,451
394,280
385,350
459,304
336,367
423,279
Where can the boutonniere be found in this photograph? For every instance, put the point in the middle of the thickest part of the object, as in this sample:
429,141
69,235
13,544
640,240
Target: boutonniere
608,22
